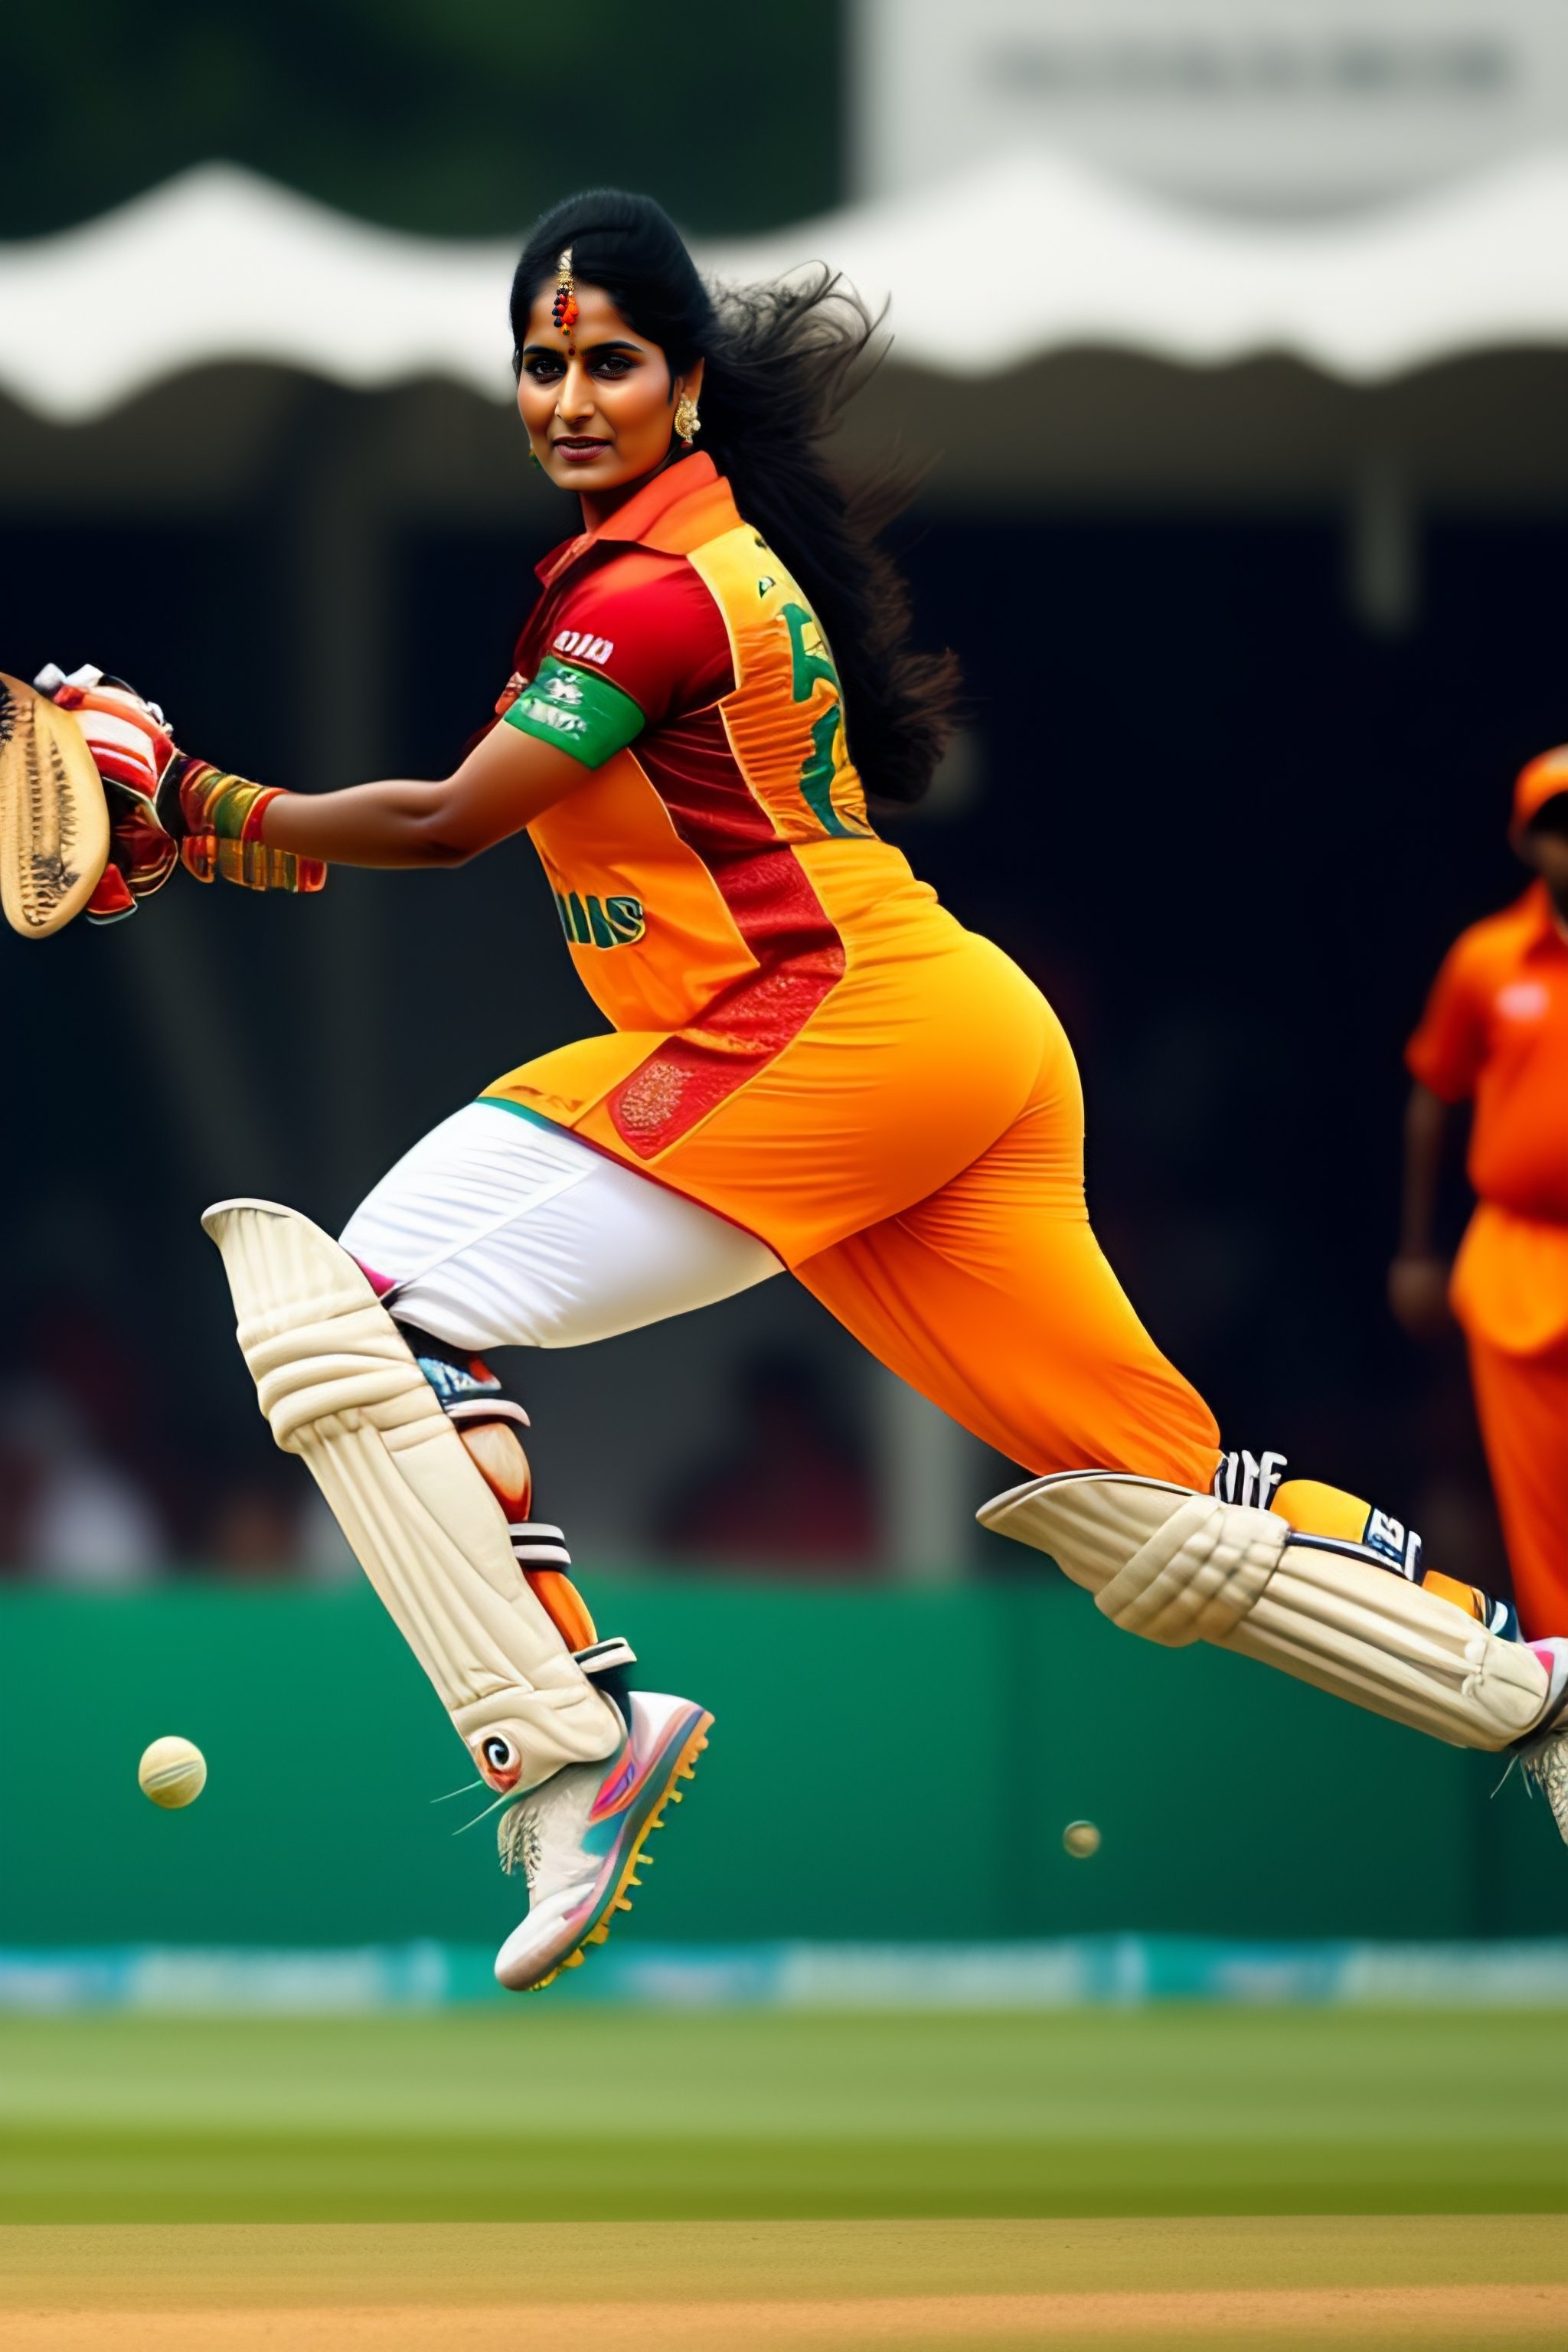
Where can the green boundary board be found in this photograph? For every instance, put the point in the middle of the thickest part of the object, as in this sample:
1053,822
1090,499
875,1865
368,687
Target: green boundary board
886,1764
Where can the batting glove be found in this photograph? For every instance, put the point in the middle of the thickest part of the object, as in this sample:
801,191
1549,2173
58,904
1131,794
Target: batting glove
133,752
166,808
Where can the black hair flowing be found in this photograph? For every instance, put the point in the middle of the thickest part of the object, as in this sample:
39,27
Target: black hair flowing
780,361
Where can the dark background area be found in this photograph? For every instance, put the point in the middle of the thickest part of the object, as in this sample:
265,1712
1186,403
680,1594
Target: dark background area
1226,821
1229,832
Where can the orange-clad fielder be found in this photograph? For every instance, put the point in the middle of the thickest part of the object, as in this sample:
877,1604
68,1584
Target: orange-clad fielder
1495,1035
809,1065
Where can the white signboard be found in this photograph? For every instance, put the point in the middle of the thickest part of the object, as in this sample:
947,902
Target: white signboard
1272,106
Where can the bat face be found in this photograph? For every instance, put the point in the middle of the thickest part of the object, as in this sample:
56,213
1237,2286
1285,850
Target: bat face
54,819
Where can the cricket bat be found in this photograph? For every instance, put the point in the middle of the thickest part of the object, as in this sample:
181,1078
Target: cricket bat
53,817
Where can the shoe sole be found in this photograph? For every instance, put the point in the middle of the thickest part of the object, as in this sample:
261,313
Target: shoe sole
616,1896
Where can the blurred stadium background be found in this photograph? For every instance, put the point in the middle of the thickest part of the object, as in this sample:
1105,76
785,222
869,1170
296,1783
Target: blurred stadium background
1231,333
1253,649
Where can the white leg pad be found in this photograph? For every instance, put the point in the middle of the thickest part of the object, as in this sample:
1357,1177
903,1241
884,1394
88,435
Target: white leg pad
1180,1566
1197,1576
339,1385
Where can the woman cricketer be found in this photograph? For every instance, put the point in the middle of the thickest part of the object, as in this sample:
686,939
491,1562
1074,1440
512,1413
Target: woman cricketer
810,1066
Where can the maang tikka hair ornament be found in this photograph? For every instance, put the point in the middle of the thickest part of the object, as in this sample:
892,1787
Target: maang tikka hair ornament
563,309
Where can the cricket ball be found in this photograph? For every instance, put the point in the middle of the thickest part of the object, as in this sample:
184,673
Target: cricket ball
172,1772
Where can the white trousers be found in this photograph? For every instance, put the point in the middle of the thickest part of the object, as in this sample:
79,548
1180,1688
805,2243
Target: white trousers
500,1230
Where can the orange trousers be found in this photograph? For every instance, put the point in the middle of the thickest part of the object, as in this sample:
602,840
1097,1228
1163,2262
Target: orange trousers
1523,1404
994,1299
915,1156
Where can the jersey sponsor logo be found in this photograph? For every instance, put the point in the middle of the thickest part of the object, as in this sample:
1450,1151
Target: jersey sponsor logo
553,702
590,922
1523,1000
584,711
565,722
583,646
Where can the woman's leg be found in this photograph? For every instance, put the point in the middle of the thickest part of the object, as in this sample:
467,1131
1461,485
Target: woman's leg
498,1230
494,1231
994,1299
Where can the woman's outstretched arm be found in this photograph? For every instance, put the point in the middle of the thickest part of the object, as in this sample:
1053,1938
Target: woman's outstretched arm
508,778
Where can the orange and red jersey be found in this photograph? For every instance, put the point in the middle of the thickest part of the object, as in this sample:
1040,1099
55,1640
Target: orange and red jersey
1495,1032
805,1041
717,871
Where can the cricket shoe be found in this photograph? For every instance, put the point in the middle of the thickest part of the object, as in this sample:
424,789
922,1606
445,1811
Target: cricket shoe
578,1838
1545,1753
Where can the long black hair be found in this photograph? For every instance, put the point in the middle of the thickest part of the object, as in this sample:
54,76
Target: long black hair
780,361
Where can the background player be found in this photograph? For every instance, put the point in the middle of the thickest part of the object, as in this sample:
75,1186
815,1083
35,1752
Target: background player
1495,1035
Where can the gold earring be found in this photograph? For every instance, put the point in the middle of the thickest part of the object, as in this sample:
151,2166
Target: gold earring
687,424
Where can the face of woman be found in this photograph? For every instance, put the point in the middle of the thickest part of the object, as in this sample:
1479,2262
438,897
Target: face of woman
599,418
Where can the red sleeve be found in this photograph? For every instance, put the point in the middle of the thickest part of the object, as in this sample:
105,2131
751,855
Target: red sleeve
648,623
1449,1045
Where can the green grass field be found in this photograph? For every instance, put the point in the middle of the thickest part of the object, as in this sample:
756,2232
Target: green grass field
544,2176
492,2114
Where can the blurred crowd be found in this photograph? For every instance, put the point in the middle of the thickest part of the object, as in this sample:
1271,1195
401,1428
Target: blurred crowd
97,1493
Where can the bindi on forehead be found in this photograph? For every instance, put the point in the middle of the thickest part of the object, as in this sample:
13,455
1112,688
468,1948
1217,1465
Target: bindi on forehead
596,321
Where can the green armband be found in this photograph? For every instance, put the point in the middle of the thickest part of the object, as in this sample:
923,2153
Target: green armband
578,711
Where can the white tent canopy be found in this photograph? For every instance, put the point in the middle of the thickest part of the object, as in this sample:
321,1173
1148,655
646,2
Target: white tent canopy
986,274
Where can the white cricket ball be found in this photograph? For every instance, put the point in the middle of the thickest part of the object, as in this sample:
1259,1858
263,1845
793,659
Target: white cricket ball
172,1772
1081,1839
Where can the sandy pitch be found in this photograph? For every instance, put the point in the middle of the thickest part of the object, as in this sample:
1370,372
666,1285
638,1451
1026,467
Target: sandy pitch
1486,2283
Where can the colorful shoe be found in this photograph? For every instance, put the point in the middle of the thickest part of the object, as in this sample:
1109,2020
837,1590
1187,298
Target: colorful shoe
579,1837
